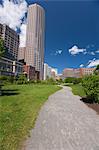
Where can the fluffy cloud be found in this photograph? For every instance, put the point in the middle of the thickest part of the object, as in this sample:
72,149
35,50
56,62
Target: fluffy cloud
75,50
23,35
12,13
93,63
81,66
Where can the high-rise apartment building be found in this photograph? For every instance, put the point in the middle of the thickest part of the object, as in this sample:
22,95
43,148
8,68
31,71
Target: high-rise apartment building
34,54
11,41
21,53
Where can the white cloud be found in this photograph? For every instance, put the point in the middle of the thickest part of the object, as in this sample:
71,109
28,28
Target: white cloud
81,66
23,35
75,50
92,53
57,52
12,13
97,51
93,63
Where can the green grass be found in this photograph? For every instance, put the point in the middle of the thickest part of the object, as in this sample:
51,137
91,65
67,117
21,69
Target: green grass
19,110
77,89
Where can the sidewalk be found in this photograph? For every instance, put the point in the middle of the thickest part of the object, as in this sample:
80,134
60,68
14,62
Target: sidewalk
65,123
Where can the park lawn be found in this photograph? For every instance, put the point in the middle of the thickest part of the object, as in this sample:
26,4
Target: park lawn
19,107
77,89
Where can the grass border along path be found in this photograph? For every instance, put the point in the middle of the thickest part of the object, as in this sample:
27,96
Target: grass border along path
19,107
77,89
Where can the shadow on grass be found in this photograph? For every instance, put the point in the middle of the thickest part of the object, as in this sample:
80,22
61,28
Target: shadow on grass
9,92
87,100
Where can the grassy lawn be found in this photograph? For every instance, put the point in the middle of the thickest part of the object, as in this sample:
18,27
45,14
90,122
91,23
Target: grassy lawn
78,90
19,107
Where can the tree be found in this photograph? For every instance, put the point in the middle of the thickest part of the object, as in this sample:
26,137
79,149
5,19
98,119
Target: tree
97,70
2,48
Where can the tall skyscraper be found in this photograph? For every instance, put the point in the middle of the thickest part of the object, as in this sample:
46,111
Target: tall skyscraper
34,54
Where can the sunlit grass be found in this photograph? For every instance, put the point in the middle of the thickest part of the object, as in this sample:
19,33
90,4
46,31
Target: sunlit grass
19,107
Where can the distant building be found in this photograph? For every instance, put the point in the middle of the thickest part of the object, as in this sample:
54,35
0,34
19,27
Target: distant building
77,73
53,74
11,41
49,72
21,53
59,76
54,70
68,72
45,71
86,71
34,54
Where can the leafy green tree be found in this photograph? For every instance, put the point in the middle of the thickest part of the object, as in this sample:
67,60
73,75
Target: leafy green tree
2,48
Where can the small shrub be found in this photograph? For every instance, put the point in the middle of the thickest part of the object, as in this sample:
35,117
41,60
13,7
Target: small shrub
77,80
22,79
91,87
73,80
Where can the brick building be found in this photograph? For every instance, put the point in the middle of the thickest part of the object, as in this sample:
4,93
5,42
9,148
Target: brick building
77,73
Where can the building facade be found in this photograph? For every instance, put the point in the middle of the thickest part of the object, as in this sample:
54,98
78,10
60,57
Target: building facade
77,73
50,72
11,41
45,71
68,72
21,53
9,67
34,54
86,71
29,71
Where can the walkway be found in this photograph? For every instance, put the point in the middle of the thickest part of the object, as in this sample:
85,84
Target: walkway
65,123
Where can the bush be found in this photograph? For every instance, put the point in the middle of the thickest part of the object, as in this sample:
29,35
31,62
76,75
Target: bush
4,79
48,81
77,80
22,79
51,81
7,79
91,87
73,80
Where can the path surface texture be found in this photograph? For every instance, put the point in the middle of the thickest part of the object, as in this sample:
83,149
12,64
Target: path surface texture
65,123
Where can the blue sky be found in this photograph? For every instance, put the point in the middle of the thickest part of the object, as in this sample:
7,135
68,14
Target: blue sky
69,24
72,32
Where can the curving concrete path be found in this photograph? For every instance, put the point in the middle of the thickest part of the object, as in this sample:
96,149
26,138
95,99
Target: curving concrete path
65,123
